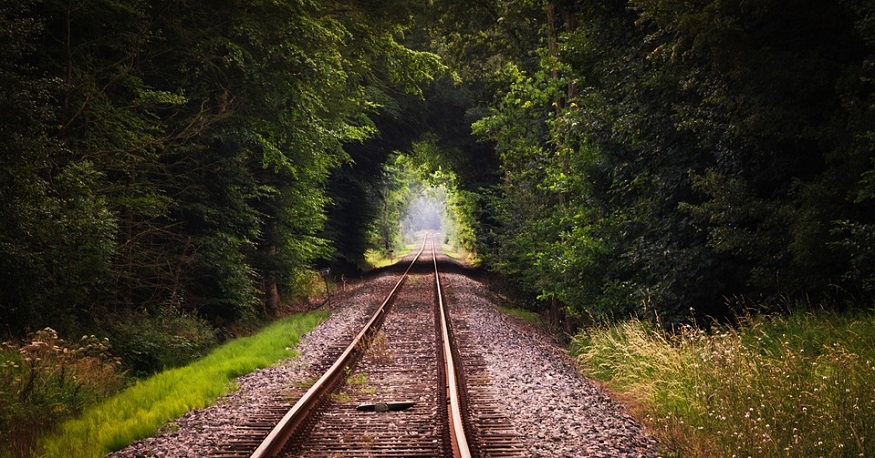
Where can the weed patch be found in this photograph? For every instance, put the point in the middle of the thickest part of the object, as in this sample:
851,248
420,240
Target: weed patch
526,315
798,385
46,379
378,348
150,342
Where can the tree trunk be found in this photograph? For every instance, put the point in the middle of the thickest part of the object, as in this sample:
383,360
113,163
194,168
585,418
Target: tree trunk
270,290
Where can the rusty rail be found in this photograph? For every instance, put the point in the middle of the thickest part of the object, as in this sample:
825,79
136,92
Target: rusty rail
457,428
297,415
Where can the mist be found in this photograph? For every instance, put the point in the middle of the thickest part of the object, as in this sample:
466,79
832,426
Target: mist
425,212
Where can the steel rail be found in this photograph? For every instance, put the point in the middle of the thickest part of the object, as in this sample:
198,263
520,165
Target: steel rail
457,428
297,415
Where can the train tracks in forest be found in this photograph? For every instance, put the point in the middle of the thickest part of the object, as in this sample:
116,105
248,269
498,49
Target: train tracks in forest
401,388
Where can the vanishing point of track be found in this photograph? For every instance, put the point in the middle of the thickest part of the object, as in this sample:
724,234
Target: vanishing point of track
401,388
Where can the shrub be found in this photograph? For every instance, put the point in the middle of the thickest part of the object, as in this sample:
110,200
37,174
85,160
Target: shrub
45,380
149,342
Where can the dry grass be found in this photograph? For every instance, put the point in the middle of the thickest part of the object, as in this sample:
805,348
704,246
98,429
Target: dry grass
379,351
799,385
46,379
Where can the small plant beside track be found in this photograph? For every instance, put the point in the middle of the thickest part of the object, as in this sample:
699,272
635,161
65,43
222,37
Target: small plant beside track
523,314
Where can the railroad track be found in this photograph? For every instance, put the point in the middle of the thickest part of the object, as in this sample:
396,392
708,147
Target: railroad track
399,389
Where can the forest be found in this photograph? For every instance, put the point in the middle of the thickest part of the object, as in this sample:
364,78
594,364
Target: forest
189,164
175,172
687,159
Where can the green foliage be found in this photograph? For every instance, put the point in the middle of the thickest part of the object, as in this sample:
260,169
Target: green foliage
416,195
147,343
141,409
461,229
795,385
45,380
175,155
658,158
742,224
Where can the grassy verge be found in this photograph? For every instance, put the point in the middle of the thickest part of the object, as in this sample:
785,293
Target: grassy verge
451,252
530,317
798,385
460,255
376,258
140,410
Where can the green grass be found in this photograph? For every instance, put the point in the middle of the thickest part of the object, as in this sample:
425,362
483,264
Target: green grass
530,317
460,255
140,410
797,385
451,252
376,259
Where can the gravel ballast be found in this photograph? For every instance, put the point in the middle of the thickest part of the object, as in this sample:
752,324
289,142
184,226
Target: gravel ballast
556,411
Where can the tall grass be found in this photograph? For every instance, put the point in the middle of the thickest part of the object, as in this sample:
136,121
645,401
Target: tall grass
800,385
141,409
44,379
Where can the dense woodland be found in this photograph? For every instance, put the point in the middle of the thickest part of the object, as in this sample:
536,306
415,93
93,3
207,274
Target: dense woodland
684,159
166,164
175,170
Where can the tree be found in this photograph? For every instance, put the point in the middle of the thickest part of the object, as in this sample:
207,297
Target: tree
664,155
173,155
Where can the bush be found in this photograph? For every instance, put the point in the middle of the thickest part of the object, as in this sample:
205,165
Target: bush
149,342
44,380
